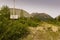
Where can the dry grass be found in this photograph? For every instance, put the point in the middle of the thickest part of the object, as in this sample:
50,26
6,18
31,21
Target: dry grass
43,33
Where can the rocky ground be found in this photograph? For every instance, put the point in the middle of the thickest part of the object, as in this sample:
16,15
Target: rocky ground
44,33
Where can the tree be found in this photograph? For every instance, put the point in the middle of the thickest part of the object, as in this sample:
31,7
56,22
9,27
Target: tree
5,11
57,18
11,29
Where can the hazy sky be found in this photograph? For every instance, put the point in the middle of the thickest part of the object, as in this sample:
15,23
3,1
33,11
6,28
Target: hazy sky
51,7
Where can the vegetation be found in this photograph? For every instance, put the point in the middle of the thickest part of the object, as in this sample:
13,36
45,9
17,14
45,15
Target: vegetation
57,18
11,29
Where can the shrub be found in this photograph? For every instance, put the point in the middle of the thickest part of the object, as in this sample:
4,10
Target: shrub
14,30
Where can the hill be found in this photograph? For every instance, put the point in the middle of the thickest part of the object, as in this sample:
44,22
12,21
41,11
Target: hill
42,16
19,12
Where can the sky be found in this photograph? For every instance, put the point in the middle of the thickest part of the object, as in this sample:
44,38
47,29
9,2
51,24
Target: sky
51,7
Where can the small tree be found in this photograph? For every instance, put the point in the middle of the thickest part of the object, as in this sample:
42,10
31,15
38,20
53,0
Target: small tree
57,18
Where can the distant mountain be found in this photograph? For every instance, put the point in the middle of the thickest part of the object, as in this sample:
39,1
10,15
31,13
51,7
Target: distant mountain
41,16
19,12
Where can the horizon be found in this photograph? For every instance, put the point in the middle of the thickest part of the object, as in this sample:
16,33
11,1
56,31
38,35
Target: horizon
50,7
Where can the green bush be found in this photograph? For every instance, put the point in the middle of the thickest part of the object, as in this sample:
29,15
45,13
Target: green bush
32,23
12,29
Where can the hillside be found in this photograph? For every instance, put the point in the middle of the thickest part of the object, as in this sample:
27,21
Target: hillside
37,26
19,11
42,16
45,31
